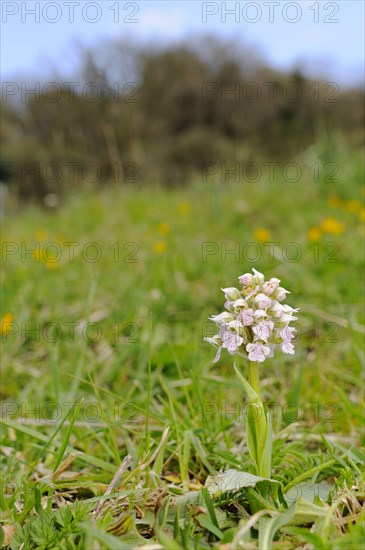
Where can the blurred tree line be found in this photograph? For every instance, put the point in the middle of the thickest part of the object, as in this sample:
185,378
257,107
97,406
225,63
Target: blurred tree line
139,115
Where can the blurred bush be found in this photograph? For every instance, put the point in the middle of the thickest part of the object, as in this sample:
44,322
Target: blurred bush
154,115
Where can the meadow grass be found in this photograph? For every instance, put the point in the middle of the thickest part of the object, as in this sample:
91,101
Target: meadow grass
103,358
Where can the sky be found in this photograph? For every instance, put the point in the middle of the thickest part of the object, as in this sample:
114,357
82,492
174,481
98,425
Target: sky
324,38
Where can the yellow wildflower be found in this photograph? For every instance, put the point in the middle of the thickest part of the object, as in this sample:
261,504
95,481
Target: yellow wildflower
47,258
6,322
41,235
314,234
331,225
160,247
164,228
60,239
353,206
184,208
261,234
50,264
362,215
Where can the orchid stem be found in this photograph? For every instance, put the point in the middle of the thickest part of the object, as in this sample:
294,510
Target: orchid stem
253,378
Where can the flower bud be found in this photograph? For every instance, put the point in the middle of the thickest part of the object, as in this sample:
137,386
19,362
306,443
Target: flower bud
246,279
224,317
270,287
231,293
259,277
228,306
287,318
280,294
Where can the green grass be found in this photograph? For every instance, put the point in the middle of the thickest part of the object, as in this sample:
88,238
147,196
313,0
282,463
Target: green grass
107,360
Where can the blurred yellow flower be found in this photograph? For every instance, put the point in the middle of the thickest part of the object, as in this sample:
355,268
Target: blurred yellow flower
41,235
353,206
49,260
164,228
51,264
331,225
184,208
5,324
362,215
160,247
60,239
314,234
261,234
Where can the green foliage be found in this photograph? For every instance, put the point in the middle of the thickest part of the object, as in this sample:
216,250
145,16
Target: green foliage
149,370
60,529
161,114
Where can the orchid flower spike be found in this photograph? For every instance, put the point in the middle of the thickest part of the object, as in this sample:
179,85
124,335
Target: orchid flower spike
255,323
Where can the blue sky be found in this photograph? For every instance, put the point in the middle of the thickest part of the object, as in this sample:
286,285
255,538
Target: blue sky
324,37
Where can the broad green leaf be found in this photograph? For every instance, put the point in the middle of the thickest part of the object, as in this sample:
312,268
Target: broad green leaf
233,480
266,458
308,491
307,512
190,498
258,498
251,437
